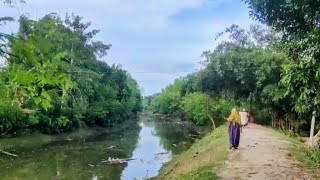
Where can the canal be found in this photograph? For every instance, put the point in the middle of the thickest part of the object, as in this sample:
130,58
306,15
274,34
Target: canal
149,141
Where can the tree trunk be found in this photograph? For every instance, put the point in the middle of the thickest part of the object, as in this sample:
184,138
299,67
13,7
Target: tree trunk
213,124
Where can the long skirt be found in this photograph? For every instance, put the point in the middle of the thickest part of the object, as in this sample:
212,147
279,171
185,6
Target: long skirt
234,135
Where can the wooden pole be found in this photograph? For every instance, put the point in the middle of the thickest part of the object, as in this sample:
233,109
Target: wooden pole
313,120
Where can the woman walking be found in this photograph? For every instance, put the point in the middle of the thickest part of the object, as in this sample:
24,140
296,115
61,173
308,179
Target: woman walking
234,129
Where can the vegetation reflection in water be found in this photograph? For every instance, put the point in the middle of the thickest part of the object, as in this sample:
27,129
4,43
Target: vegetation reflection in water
151,142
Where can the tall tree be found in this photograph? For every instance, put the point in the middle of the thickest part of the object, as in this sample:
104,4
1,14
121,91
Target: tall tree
3,21
298,22
53,69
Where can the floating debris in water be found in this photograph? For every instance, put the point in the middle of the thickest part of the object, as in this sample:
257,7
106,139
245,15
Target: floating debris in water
117,160
111,147
7,153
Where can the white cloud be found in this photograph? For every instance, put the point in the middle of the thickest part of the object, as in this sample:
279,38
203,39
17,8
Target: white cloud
132,13
144,34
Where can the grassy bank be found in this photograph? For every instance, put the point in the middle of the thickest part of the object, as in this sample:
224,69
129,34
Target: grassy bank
202,160
310,158
205,158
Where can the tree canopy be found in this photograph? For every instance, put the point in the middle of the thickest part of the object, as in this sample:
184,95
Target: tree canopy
247,70
298,22
55,81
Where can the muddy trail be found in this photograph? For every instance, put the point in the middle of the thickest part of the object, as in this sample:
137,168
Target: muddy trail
263,154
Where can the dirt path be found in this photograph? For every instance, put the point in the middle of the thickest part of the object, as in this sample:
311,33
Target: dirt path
262,155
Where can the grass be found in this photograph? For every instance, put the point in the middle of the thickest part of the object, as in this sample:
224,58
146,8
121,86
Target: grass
205,158
310,158
202,161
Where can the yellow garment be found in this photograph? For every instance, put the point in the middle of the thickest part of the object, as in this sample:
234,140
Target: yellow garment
234,116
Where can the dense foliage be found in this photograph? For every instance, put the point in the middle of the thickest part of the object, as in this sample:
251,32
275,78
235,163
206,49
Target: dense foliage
54,82
195,107
273,71
242,71
298,21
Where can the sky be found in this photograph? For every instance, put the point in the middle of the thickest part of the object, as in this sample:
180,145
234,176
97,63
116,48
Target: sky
156,41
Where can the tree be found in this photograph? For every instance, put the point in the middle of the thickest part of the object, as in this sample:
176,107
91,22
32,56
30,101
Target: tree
3,21
298,22
242,65
168,101
242,71
53,69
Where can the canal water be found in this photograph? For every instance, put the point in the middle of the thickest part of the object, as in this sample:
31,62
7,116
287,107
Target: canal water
148,140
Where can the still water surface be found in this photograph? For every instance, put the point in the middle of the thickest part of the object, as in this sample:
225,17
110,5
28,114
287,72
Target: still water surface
148,140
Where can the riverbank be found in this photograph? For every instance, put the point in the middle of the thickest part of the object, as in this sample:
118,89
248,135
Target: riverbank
202,161
263,154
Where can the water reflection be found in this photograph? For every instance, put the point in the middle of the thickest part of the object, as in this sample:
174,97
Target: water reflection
149,155
151,142
76,159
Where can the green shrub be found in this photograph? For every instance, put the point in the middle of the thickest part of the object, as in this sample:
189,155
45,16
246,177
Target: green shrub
12,121
195,107
221,109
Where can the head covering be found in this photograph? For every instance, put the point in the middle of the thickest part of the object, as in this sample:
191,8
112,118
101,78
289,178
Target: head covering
234,116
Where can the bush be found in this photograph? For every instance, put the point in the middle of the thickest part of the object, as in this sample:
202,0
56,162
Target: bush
168,101
53,125
12,121
195,107
221,108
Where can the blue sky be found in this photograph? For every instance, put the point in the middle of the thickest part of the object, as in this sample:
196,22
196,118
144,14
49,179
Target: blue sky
155,40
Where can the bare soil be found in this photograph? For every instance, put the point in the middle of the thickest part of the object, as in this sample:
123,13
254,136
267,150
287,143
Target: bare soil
263,154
